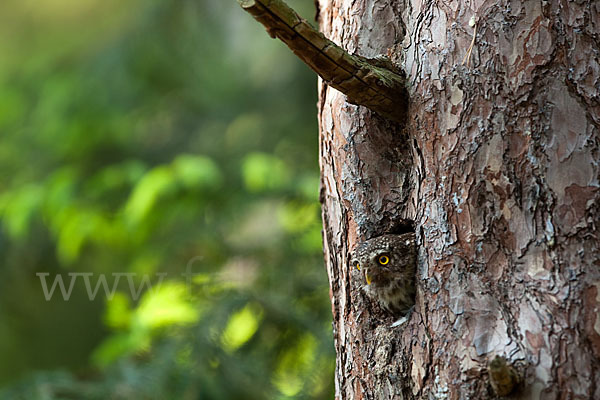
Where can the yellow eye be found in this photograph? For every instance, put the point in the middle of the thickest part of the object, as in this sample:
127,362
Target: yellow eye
357,265
384,260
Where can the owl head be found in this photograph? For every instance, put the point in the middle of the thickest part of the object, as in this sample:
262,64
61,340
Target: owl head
381,258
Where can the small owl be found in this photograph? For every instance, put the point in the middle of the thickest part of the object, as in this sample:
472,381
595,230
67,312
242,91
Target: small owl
388,265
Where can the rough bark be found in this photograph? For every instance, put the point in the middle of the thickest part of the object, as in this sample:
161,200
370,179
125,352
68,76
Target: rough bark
498,171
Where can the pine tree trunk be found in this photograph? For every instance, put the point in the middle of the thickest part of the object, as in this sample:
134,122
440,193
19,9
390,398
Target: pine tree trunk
498,173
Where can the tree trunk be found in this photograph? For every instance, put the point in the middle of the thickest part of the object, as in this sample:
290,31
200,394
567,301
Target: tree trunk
496,171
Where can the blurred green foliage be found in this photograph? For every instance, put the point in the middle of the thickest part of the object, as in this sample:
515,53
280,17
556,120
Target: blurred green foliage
166,152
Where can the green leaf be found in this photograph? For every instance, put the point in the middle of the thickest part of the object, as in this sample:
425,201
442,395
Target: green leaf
295,365
195,171
17,208
241,327
262,172
297,217
118,311
167,304
154,184
118,345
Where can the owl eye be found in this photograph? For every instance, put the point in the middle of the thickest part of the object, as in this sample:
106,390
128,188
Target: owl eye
384,260
357,265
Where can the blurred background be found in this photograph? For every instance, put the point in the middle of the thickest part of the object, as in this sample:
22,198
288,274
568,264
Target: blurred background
161,158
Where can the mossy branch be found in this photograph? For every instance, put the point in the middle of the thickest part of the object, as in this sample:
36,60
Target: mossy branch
365,82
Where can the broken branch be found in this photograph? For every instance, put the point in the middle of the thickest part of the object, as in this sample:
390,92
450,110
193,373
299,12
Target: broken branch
364,81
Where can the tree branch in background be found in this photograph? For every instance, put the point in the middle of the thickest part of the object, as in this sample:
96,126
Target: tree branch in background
367,82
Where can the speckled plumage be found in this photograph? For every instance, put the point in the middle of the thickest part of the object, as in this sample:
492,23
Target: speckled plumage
391,284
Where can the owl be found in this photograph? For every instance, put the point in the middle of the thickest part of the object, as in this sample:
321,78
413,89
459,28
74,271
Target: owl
388,263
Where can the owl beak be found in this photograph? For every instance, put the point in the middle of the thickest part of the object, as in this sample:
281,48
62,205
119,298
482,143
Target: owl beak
367,278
